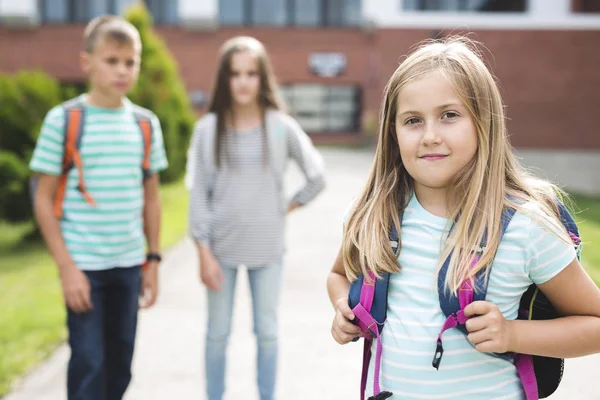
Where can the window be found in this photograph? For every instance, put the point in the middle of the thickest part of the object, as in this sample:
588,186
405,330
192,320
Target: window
321,108
61,11
163,11
307,13
290,12
78,11
465,5
269,12
343,12
586,6
232,12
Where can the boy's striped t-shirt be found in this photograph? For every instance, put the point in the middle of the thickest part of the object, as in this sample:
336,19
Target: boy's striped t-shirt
109,234
529,252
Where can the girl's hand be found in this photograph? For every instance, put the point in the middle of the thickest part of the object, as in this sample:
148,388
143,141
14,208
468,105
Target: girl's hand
488,330
292,207
342,330
210,272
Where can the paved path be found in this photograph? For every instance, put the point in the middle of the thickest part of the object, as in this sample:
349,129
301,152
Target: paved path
168,359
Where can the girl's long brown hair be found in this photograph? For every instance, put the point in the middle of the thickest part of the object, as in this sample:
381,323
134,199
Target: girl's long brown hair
222,100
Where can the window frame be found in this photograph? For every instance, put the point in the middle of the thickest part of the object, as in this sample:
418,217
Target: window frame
162,18
421,8
325,17
585,7
326,113
71,12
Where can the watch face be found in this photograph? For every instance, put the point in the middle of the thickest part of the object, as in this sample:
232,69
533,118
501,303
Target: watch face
153,257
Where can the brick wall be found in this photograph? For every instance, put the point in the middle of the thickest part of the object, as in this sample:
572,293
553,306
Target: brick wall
550,79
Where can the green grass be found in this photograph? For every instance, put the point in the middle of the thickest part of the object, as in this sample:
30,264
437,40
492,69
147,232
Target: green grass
175,213
32,316
587,216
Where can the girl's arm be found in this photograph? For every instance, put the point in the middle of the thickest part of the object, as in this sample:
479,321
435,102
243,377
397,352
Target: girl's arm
199,211
573,294
310,161
551,263
337,283
342,330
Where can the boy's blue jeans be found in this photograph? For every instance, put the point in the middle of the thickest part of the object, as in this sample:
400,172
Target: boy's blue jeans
102,339
265,286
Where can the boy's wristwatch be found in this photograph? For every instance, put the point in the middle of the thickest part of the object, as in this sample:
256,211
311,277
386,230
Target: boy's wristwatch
149,258
153,257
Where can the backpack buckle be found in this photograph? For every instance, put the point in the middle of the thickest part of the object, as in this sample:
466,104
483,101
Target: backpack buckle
437,357
381,396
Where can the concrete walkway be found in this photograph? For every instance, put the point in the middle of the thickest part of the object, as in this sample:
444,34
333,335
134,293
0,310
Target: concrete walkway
168,360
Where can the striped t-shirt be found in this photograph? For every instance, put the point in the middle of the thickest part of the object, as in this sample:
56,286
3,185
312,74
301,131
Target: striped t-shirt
109,234
528,253
242,220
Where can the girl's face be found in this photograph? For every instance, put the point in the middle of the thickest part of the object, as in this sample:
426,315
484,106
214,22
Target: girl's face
244,82
436,134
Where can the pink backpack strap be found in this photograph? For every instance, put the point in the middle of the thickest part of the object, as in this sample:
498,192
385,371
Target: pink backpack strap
524,364
368,325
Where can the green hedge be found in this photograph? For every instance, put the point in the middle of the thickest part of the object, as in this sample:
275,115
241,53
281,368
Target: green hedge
161,90
25,98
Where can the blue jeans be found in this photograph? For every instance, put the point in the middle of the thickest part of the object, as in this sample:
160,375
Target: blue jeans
265,286
102,339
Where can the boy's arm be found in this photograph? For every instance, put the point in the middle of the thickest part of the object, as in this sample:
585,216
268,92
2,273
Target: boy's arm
152,214
75,285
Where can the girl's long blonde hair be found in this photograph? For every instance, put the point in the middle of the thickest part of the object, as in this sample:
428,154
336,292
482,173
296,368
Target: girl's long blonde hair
492,181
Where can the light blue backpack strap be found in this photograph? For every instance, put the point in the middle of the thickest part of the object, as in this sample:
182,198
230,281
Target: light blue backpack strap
204,135
209,125
277,142
278,148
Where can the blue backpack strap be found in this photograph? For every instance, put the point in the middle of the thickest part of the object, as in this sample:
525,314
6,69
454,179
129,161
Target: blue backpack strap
571,227
449,301
566,218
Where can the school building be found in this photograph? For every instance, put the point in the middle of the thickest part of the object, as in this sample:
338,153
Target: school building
333,58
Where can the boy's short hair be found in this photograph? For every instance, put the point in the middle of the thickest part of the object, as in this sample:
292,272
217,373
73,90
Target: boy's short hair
110,27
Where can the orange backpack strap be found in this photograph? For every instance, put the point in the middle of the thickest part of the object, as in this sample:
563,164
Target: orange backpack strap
142,117
74,119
